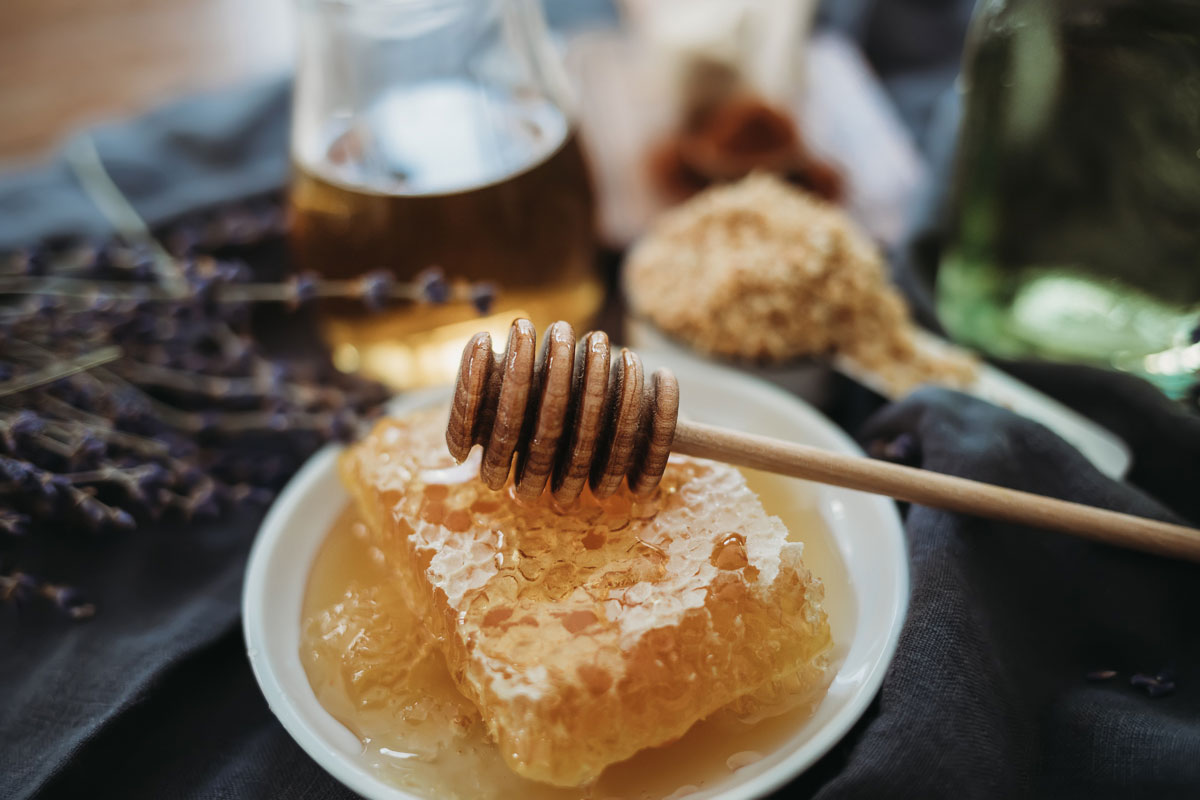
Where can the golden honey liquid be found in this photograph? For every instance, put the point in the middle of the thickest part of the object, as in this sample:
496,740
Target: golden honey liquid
434,758
487,187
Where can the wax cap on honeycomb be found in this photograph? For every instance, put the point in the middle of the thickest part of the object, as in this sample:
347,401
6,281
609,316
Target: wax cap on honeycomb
586,633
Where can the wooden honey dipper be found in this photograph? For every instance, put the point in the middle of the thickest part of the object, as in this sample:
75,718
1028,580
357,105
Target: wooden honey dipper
577,416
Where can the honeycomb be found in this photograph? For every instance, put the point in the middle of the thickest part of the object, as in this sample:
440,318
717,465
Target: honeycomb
584,634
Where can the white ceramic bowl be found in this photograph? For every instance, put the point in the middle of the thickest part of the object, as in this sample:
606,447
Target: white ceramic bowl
867,601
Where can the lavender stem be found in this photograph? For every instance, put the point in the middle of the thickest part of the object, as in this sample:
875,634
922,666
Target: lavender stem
60,369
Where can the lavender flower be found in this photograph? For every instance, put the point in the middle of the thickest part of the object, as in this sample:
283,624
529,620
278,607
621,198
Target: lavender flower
20,428
182,414
303,288
18,589
483,296
377,289
432,287
69,600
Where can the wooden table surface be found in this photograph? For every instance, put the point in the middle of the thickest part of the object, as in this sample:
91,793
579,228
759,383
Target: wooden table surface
68,63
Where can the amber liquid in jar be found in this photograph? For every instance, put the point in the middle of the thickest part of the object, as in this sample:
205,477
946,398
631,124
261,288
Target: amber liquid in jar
488,187
420,734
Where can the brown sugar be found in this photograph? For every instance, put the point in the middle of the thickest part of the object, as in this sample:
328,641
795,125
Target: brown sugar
584,634
761,271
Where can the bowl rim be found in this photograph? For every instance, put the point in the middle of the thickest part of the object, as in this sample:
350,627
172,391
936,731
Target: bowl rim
269,546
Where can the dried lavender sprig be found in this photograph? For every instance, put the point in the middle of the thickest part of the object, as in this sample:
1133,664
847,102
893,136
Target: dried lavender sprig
99,438
84,158
216,387
147,484
332,423
128,476
194,422
18,588
59,370
52,444
39,486
237,422
102,427
89,260
69,600
297,291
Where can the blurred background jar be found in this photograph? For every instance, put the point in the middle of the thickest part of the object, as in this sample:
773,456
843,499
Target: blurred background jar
437,133
1076,226
730,75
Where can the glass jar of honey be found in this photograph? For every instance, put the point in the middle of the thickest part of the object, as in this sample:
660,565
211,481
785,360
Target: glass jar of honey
437,133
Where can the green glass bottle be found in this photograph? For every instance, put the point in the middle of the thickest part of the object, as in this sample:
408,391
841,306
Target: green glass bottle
1075,234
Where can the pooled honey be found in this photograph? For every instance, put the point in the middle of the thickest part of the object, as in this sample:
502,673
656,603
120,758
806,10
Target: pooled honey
419,733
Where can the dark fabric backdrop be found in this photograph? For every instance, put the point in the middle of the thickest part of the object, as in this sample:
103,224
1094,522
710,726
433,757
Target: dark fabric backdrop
987,696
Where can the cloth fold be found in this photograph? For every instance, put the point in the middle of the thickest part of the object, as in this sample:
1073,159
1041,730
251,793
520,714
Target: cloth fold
193,154
988,695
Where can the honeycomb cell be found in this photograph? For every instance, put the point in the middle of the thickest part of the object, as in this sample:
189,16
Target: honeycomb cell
583,634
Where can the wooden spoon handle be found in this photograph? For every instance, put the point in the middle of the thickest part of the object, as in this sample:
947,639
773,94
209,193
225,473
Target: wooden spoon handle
936,490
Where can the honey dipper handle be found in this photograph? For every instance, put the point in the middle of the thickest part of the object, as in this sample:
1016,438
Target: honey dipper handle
936,490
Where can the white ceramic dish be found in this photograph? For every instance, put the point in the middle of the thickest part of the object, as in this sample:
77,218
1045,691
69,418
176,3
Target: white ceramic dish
1107,452
866,538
